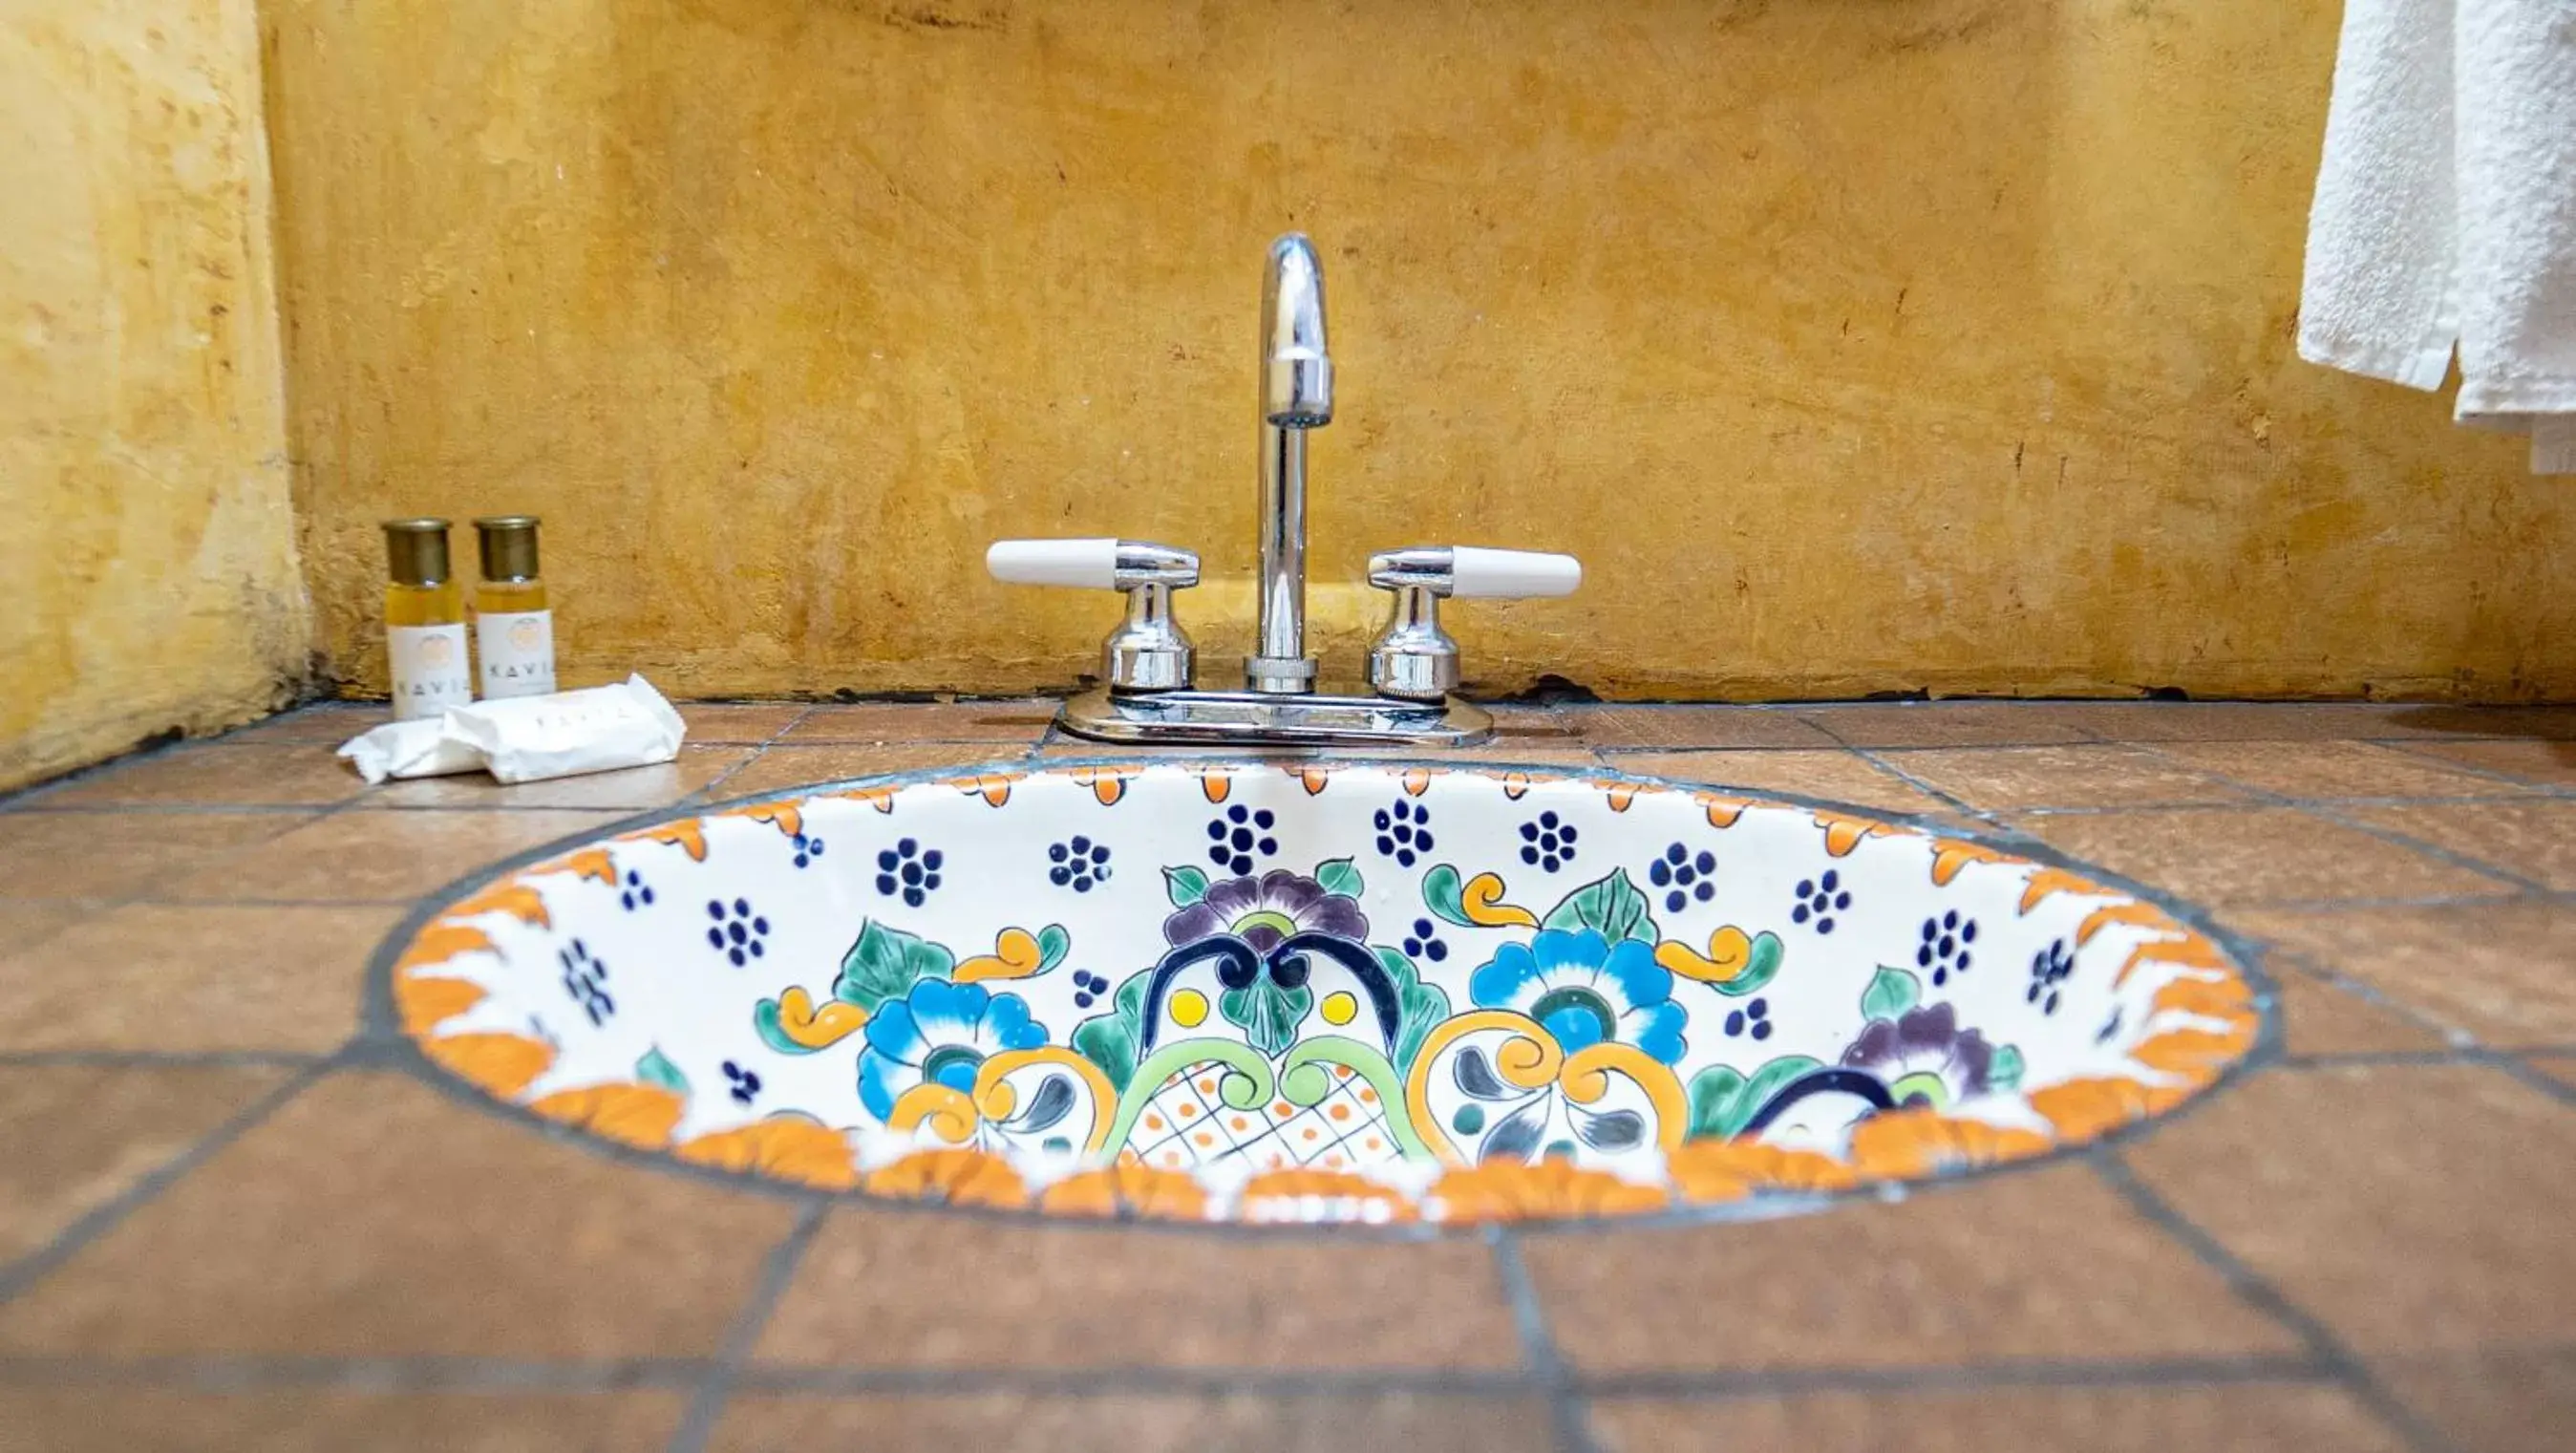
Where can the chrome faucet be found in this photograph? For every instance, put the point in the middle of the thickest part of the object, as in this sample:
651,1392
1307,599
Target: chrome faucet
1147,662
1296,395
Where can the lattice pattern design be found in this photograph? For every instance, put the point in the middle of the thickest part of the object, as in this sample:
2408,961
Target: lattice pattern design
1186,1125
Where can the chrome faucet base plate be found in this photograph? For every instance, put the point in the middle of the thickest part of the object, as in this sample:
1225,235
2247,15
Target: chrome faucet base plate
1248,718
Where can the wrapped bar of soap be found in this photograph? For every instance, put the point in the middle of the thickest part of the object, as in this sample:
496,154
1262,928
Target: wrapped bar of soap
529,738
411,748
564,733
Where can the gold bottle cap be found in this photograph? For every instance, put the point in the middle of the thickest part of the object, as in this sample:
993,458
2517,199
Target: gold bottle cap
416,551
509,546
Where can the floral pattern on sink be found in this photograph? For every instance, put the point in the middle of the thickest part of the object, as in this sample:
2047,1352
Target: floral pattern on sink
1341,991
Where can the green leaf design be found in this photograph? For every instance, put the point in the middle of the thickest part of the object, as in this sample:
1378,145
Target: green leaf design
1890,993
1418,1005
885,963
1186,885
1053,944
1268,1014
1759,970
656,1069
1445,894
1612,907
2003,1072
1722,1099
764,1019
1339,876
1111,1040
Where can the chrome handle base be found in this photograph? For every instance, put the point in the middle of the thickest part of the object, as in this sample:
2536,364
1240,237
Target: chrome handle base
1148,651
1258,719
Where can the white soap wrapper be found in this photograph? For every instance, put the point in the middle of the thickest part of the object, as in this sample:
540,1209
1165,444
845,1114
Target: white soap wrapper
532,738
415,748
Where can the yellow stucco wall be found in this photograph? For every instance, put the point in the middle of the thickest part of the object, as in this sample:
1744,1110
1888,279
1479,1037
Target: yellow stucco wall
1856,344
146,547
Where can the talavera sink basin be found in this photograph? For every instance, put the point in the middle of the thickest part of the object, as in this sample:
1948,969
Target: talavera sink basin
1342,992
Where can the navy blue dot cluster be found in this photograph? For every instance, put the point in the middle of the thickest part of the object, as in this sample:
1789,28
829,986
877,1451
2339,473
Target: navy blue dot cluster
1547,843
2049,968
1944,949
1820,899
586,980
1753,1019
1686,876
906,871
1078,864
737,932
745,1083
1424,942
808,848
1403,831
1238,835
637,893
1087,988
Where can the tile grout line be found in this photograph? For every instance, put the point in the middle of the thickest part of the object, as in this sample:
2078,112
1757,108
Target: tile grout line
2255,1291
1004,750
714,1391
1786,1382
2408,746
1539,1354
2505,893
18,1276
2272,801
2432,850
2467,1054
1957,803
2327,810
2519,1066
759,750
1134,1380
141,892
234,1372
2085,737
162,1059
2299,961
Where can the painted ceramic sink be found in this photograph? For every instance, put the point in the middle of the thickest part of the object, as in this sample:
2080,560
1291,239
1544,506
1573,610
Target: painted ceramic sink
1319,992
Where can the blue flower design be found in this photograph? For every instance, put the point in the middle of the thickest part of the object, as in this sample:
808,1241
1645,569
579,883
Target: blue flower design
1586,990
940,1032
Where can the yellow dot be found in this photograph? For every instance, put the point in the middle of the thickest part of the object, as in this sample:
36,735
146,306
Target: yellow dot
1340,1008
1189,1009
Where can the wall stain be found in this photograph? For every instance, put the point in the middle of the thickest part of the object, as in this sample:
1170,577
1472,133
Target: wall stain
149,552
935,17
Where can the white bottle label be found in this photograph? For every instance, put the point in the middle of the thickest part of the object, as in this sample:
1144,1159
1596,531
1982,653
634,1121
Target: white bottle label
518,651
429,669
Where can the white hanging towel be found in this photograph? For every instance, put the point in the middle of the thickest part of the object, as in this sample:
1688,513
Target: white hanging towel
2445,211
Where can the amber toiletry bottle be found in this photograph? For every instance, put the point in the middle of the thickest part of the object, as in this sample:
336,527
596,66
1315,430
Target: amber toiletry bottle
424,621
514,632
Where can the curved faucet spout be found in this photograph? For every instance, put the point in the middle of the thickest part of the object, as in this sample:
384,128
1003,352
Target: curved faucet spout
1296,369
1296,395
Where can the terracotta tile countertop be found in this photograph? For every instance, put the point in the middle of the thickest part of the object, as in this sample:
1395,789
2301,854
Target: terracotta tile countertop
229,1221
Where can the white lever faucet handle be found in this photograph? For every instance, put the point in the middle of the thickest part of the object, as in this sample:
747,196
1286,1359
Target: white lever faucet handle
1481,574
1090,564
1474,573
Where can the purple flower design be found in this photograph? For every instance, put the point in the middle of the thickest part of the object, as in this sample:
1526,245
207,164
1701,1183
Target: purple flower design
1924,1057
1264,911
